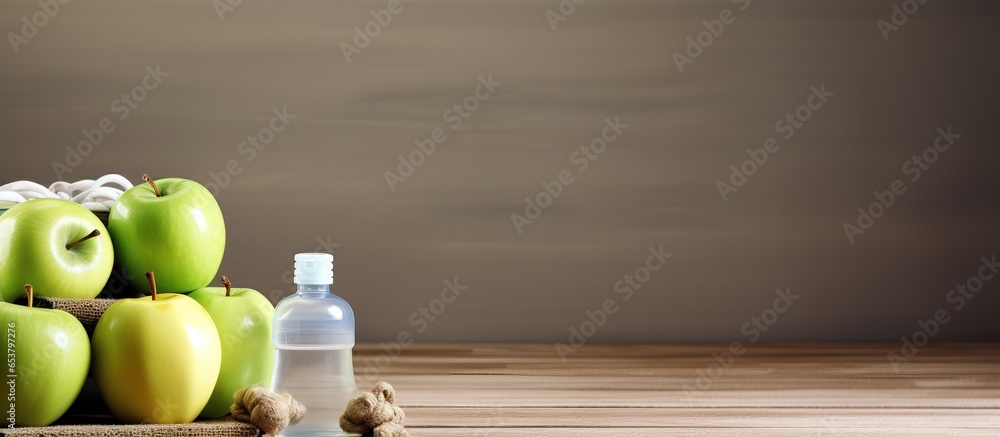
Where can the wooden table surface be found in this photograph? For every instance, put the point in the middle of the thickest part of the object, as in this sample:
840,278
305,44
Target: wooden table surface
806,389
652,390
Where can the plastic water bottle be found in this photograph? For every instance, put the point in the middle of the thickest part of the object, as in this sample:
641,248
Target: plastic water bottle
313,334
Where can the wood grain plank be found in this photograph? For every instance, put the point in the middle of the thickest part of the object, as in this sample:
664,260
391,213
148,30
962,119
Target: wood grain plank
643,390
697,432
830,398
501,417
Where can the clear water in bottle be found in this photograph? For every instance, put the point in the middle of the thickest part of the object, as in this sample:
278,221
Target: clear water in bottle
313,335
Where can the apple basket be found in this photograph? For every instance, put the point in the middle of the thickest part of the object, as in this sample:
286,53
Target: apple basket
89,414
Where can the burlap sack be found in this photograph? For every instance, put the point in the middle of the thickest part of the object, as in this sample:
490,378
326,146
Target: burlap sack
225,427
87,311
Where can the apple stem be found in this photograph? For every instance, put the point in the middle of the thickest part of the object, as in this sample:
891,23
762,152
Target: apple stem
152,283
148,179
92,234
31,294
229,285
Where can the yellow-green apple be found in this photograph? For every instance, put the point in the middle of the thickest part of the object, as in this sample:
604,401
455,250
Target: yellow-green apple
58,246
243,318
171,226
48,356
156,358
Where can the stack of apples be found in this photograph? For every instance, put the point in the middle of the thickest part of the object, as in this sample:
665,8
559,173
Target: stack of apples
178,353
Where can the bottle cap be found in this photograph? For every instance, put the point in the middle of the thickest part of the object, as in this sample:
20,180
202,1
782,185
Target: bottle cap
313,268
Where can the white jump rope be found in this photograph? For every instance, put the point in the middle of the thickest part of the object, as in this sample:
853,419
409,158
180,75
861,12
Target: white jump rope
94,195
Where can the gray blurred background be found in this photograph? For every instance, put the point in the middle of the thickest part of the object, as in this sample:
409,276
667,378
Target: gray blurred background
322,178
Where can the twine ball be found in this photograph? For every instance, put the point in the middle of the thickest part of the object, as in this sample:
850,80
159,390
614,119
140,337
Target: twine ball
271,412
373,414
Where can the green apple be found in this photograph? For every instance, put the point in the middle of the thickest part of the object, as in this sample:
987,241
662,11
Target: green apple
243,318
48,356
171,226
58,246
156,358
